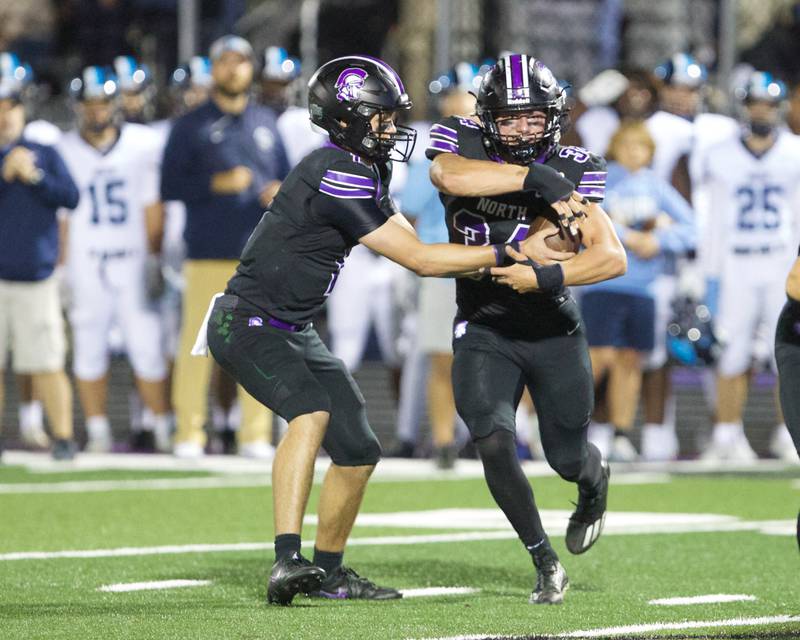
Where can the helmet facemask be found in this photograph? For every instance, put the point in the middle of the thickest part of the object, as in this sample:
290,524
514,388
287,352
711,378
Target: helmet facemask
357,134
525,148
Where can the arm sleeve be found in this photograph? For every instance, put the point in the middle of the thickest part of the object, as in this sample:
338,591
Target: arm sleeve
348,198
181,178
592,184
445,134
681,235
57,188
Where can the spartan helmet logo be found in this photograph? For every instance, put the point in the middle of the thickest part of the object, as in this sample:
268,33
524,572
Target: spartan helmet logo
349,83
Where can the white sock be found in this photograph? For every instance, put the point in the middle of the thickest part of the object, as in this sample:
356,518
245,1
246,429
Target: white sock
31,415
98,427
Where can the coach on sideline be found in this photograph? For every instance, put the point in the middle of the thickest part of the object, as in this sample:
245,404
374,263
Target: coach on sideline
34,183
225,161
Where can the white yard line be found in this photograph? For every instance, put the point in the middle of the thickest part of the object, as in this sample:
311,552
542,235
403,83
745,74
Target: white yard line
126,587
477,525
389,469
469,536
677,626
707,599
428,592
611,632
154,484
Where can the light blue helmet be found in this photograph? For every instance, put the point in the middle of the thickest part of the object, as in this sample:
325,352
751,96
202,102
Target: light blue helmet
682,69
194,73
762,86
279,66
94,83
462,76
132,76
15,76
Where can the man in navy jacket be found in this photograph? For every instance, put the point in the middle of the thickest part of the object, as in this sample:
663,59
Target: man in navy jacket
224,161
34,184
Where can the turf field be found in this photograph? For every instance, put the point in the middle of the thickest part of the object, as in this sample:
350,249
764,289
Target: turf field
67,532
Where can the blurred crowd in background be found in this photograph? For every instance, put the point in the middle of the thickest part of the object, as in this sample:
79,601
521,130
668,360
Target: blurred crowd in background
140,177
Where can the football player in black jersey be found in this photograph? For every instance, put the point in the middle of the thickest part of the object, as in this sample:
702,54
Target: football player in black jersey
521,327
787,355
260,331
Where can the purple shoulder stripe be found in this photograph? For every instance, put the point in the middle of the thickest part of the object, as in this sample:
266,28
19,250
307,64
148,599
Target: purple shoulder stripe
345,193
442,145
349,179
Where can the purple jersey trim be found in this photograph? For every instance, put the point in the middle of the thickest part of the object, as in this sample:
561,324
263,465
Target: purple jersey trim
349,179
444,132
441,145
590,191
343,192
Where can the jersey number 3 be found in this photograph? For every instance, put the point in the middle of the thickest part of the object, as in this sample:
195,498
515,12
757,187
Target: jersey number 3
108,204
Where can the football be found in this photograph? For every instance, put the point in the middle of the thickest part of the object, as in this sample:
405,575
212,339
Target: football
560,240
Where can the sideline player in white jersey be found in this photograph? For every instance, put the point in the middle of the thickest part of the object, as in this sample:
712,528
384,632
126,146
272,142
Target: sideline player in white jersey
681,131
753,181
280,76
110,233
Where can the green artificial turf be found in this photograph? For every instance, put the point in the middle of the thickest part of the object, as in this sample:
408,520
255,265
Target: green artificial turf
610,585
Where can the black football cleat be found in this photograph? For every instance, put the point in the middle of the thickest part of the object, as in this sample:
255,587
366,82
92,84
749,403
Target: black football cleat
586,523
345,584
63,449
551,580
292,575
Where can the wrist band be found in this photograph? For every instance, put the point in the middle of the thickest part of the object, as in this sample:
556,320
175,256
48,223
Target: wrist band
550,278
501,258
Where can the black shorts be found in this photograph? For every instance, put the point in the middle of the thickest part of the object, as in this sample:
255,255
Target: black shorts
293,373
787,355
620,320
490,371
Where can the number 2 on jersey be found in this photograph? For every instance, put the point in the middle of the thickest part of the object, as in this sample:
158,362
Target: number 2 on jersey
108,204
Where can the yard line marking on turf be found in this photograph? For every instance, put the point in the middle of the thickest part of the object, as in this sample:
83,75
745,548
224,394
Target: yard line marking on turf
708,599
617,523
151,586
437,591
467,536
689,624
155,484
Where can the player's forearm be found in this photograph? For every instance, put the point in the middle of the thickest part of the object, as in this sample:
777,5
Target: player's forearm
595,264
793,281
443,260
459,176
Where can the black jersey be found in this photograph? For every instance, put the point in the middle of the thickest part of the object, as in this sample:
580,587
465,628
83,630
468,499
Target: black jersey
503,218
327,203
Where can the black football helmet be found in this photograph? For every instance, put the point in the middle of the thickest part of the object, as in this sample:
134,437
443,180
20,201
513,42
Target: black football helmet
519,82
344,95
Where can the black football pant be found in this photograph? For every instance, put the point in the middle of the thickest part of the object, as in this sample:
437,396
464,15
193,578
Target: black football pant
489,373
787,355
293,373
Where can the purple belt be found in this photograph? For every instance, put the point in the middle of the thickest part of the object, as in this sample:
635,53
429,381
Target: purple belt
257,321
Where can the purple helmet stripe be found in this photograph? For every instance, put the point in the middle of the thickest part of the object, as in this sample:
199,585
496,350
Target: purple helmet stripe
349,179
516,71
